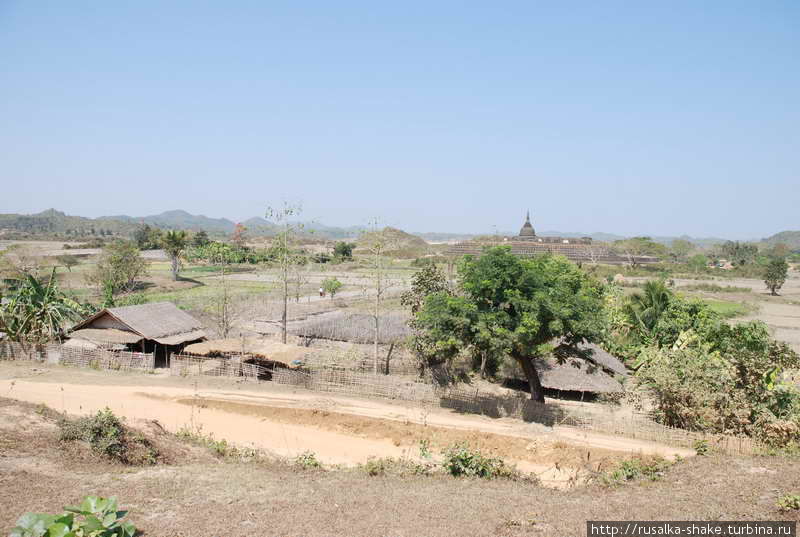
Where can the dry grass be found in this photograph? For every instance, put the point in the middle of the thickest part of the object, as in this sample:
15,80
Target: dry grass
211,497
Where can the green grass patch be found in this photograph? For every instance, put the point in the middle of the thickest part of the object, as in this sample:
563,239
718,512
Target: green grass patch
714,288
728,309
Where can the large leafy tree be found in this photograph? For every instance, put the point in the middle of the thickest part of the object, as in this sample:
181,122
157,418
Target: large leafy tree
518,308
118,269
174,244
37,311
775,274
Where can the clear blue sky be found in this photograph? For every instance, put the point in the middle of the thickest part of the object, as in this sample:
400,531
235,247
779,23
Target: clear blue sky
658,118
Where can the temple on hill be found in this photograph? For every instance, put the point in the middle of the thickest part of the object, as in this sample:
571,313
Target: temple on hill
528,243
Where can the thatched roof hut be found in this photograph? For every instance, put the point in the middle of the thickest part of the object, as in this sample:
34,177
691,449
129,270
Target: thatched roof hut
266,350
575,375
147,327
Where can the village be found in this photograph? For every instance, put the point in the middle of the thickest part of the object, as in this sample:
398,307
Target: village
399,269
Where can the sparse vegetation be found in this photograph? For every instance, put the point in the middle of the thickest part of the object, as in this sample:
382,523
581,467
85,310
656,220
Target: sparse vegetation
650,468
307,460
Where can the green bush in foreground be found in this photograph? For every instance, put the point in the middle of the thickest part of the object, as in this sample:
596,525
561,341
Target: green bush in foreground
95,517
460,460
107,436
790,502
651,468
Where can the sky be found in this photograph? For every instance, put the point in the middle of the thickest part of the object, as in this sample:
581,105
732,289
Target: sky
636,118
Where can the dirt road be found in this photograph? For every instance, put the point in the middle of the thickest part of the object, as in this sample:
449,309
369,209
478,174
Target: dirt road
339,430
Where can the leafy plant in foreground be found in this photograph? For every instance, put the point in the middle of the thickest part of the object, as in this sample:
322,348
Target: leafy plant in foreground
460,460
790,502
95,517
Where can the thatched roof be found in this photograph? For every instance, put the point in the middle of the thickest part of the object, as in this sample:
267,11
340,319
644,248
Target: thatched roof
575,375
106,335
606,360
162,322
274,351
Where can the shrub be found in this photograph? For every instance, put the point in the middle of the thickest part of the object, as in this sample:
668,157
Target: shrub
790,502
95,517
651,468
701,447
307,460
402,466
460,460
220,448
107,436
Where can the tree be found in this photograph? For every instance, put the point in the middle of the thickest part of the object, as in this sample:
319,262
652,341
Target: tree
174,244
239,235
37,311
636,247
425,282
645,308
119,267
67,261
200,239
739,253
377,242
147,238
283,248
343,250
775,274
331,286
698,262
680,249
526,307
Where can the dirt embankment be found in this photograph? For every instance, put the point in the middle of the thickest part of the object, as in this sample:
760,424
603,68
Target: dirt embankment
339,430
203,496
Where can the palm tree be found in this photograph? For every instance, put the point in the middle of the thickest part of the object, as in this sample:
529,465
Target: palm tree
174,243
646,308
37,311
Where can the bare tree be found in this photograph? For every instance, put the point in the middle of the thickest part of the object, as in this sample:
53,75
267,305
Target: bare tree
377,242
283,245
224,310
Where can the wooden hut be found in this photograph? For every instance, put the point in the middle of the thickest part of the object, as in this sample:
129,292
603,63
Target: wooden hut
160,328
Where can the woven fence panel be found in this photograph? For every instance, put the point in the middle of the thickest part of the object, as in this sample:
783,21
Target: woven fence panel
229,367
77,356
354,383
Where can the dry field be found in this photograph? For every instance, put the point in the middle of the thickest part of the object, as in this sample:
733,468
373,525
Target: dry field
195,494
339,429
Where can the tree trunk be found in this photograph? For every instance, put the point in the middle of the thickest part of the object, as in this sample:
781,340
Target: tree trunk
537,392
285,306
483,365
175,268
388,357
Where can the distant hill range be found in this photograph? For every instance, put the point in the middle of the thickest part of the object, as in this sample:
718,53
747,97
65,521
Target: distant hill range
789,238
58,225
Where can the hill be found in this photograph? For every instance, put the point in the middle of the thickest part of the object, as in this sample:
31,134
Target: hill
179,219
789,238
53,223
398,242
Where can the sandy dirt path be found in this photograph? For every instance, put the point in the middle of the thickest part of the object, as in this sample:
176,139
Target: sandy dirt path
255,418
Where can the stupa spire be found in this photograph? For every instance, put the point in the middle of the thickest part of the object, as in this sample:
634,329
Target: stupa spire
527,228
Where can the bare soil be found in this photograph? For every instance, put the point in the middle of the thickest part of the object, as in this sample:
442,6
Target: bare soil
202,496
340,430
